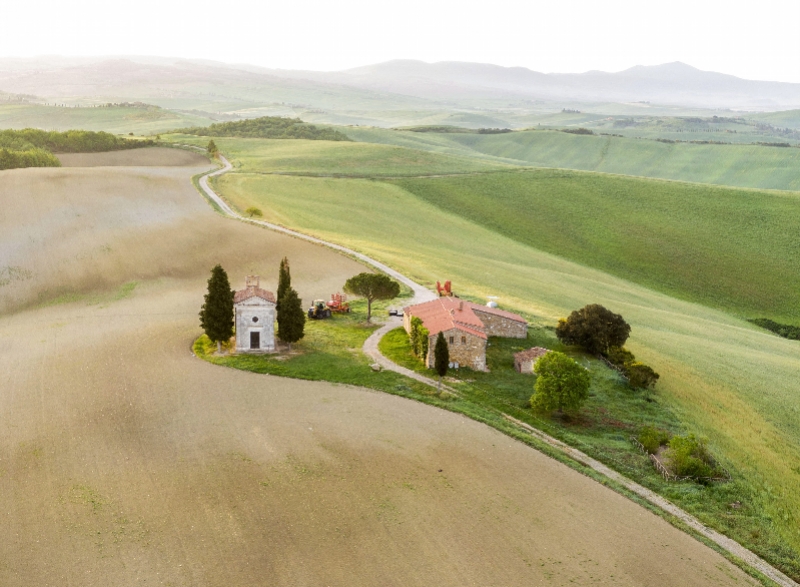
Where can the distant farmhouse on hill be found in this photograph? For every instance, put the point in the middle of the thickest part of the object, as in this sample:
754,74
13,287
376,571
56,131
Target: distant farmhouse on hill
466,327
254,309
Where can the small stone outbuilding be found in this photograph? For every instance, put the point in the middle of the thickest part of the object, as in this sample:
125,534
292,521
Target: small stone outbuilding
466,327
254,310
524,361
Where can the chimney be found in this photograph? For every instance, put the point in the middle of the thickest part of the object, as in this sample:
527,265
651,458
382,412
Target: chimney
251,281
461,306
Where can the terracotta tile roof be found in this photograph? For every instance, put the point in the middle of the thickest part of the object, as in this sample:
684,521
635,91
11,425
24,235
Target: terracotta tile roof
531,354
447,313
253,292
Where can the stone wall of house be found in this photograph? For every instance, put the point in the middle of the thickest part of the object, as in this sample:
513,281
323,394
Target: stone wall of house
407,322
501,326
264,323
523,366
465,349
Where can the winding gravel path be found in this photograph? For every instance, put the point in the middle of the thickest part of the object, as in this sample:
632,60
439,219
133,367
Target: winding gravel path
422,294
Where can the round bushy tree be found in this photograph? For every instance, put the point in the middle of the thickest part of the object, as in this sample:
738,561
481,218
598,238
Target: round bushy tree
211,148
594,328
216,315
561,384
372,286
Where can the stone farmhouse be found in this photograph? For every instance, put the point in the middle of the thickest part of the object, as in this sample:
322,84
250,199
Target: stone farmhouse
524,361
466,328
254,310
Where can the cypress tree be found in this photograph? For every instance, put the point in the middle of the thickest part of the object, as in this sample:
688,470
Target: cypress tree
284,282
291,318
441,358
216,315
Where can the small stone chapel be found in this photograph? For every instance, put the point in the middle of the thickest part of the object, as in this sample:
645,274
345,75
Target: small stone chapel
254,310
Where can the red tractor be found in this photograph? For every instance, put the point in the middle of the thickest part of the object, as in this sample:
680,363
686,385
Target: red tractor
338,304
445,290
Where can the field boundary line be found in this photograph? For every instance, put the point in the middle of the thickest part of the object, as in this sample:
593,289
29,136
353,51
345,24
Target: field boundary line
422,294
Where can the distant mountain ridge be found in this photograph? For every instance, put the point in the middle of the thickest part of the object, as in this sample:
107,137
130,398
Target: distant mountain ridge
403,81
671,83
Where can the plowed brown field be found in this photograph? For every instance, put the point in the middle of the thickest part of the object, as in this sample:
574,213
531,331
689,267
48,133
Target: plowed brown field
124,460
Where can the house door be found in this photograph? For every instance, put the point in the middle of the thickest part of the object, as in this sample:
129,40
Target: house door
255,340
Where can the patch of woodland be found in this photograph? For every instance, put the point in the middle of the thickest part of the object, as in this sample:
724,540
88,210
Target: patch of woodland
32,147
784,330
267,127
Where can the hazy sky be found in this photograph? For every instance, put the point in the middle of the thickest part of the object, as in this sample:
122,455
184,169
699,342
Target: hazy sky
756,40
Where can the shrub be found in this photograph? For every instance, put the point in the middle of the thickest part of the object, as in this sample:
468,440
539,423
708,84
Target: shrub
640,376
619,356
653,438
688,456
419,338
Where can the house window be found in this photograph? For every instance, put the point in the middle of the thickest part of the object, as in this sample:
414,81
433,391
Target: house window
452,338
255,319
463,340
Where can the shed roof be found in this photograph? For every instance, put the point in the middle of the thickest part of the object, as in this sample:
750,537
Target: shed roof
531,354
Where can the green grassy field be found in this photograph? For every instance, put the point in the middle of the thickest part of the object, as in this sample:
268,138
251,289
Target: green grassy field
732,249
723,377
734,165
115,119
335,158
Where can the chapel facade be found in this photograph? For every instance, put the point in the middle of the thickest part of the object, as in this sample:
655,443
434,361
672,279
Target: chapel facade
254,310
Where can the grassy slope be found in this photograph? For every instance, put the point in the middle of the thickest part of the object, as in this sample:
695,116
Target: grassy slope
336,158
784,118
732,249
734,165
114,120
717,371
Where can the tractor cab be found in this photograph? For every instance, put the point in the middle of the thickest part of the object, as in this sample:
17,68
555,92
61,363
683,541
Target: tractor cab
319,310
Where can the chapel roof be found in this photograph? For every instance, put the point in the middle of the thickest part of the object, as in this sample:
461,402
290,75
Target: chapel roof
253,290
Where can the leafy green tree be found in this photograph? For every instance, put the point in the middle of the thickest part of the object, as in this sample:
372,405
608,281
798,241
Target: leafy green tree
441,357
284,282
561,384
252,211
291,318
372,286
212,148
594,328
216,315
